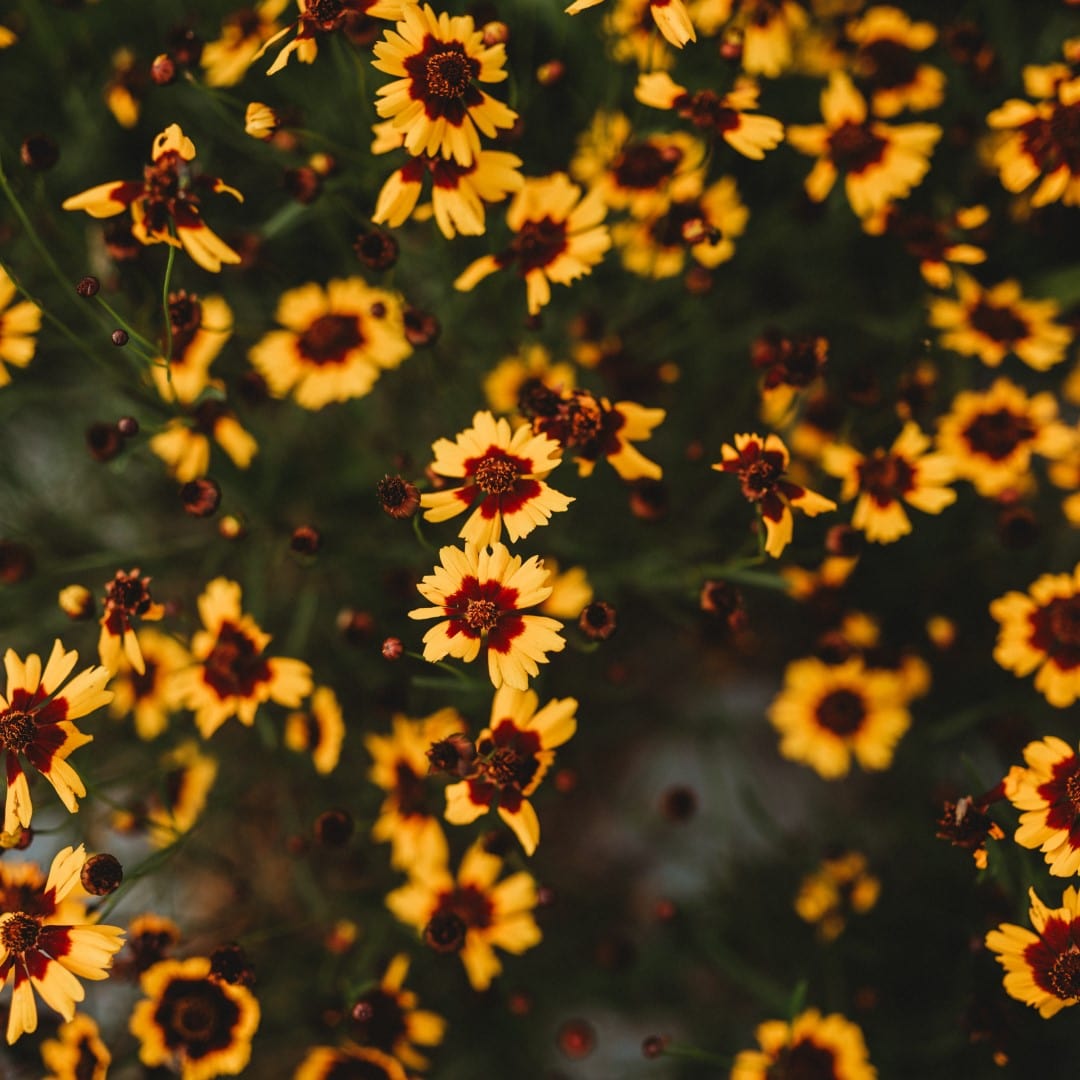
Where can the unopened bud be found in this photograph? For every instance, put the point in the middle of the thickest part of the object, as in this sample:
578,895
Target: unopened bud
101,874
88,286
200,497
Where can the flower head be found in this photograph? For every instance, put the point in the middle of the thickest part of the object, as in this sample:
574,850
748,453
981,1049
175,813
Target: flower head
670,16
840,885
243,33
127,597
18,325
184,443
810,1045
368,1062
77,1052
320,730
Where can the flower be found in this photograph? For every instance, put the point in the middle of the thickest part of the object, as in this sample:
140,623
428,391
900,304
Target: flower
991,323
320,730
434,101
165,203
407,818
991,435
199,327
336,341
966,824
243,33
670,16
840,884
516,750
18,325
184,443
329,1063
179,798
36,723
77,1053
760,464
504,474
828,713
231,676
1042,969
559,237
127,596
770,28
879,163
885,479
150,694
1040,631
193,1020
260,121
513,376
39,951
472,914
483,593
811,1045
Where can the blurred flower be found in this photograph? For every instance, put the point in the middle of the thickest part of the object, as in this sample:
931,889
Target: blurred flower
149,938
77,1052
126,87
191,1020
328,1063
184,444
187,776
337,341
200,326
515,752
811,1044
483,593
1040,631
164,205
472,914
260,121
243,35
791,364
828,713
570,591
18,325
966,824
760,465
670,16
38,951
76,602
1042,969
36,723
504,474
841,884
127,597
769,31
879,163
991,323
231,676
319,730
559,237
886,479
504,384
398,497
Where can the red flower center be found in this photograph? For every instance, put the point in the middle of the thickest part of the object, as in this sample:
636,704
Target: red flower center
758,477
885,477
383,1021
330,338
481,614
854,147
448,73
1055,140
644,166
496,474
20,933
998,323
706,109
17,729
195,1015
1056,631
539,243
804,1061
842,712
998,434
889,64
235,665
1064,974
410,791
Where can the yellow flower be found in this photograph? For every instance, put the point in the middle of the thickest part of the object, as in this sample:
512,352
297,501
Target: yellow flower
77,1053
671,17
184,444
320,730
841,884
18,325
243,33
504,384
150,694
187,777
770,29
1044,792
817,1045
200,327
260,121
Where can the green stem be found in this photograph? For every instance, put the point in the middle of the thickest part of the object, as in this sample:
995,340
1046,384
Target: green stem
148,350
168,315
692,1053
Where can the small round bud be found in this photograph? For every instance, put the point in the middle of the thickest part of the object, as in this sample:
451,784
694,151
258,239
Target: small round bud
445,933
39,152
649,500
392,648
230,964
577,1039
654,1046
334,828
363,1012
305,540
200,497
119,337
1017,527
323,164
565,781
597,621
260,121
679,803
550,73
399,498
519,1003
101,874
453,755
184,45
421,328
127,426
231,527
376,249
698,281
303,184
16,562
103,441
163,70
77,602
495,33
88,286
665,910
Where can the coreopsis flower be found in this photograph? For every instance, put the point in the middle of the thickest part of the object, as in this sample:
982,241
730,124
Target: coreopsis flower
840,884
886,479
671,18
126,88
811,1045
150,696
480,595
514,375
18,325
1042,967
127,597
1040,631
318,17
173,807
504,477
472,914
731,116
184,443
760,464
769,32
408,818
878,162
243,34
77,1052
199,326
36,724
571,592
231,676
515,753
319,730
992,434
437,60
966,824
558,236
828,713
165,204
194,1021
791,364
260,121
336,341
887,43
39,951
991,323
632,29
329,1063
394,1024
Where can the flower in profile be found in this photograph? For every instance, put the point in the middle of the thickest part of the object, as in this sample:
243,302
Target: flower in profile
791,364
671,18
559,237
336,341
879,163
39,951
886,479
437,60
126,87
472,914
991,323
230,675
319,730
1042,967
1040,631
184,443
992,434
199,327
36,724
127,597
77,1052
810,1045
191,1020
408,818
18,325
165,204
331,1063
515,753
481,595
178,799
729,116
504,477
243,34
760,464
841,884
828,713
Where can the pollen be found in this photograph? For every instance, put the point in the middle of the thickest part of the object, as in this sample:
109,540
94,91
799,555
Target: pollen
496,475
481,614
20,933
448,73
17,729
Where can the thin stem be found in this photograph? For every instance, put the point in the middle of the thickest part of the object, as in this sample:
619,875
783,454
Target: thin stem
168,313
150,353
